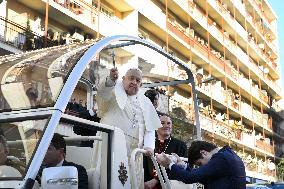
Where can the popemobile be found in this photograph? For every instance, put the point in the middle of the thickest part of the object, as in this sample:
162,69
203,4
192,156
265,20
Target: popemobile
39,90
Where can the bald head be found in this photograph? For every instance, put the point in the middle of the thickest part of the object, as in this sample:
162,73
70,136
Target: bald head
132,81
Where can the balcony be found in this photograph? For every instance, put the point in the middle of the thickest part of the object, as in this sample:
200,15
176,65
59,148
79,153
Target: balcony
216,32
228,18
201,46
259,27
21,37
235,26
236,49
260,72
198,44
88,14
236,107
265,146
239,6
257,7
243,136
228,128
84,15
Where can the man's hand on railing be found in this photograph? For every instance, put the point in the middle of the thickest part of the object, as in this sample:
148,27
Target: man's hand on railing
149,151
164,160
179,161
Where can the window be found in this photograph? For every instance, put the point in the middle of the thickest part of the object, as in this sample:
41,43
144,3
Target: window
18,142
104,9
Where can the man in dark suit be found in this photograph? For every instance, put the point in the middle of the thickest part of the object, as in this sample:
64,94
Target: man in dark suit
219,168
164,143
55,157
153,95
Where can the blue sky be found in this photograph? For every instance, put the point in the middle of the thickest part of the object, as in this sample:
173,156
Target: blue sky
278,7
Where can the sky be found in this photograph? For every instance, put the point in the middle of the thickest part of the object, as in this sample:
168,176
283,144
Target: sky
278,7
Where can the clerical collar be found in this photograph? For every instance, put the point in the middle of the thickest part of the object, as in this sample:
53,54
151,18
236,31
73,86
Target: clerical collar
166,140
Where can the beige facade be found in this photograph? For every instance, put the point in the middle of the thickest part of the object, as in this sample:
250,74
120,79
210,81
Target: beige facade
231,44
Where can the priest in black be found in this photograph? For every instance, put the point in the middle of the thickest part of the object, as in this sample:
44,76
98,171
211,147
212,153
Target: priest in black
164,143
55,157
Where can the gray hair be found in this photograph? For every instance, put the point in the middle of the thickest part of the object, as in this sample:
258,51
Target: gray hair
133,69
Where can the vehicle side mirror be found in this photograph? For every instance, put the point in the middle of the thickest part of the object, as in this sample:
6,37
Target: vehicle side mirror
65,177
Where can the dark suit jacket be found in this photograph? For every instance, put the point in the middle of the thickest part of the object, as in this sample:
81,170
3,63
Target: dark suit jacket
225,170
86,131
175,146
82,174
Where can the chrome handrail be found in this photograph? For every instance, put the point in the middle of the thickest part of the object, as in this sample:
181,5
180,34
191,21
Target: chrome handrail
132,162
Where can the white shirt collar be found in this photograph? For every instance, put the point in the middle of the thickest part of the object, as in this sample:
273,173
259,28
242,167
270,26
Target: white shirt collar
60,163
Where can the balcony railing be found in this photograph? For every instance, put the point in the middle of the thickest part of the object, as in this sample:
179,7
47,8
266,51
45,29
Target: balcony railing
257,7
243,108
86,10
261,30
264,77
264,146
228,43
241,30
225,130
22,37
180,32
80,8
201,46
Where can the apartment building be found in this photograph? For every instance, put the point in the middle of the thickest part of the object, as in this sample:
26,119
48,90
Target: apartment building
230,45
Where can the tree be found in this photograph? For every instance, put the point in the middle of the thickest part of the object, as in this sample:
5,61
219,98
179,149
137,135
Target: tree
28,45
182,127
280,169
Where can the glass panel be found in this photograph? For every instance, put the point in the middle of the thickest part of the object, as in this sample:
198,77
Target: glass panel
18,142
37,76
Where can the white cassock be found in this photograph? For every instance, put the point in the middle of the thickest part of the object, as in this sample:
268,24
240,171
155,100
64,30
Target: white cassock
135,115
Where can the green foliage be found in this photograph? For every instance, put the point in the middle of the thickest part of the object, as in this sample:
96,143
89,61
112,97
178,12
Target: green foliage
182,127
29,37
280,169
